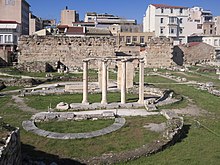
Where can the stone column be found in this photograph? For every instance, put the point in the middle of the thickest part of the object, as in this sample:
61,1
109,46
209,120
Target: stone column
104,82
141,82
85,82
123,81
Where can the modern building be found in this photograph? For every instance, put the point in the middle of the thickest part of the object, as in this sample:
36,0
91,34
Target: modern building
107,19
68,17
115,29
134,39
48,23
200,15
167,21
16,10
35,24
9,33
217,25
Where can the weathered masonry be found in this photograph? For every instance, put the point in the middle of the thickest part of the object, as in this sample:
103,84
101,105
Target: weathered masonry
45,53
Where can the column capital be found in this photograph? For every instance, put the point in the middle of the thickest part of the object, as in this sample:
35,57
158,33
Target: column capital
142,60
85,60
124,60
104,60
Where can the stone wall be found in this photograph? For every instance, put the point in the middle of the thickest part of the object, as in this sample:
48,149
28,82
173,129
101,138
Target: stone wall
193,53
10,153
4,58
2,86
69,51
29,82
158,53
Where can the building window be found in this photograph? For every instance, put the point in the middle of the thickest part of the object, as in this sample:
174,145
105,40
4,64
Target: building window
218,42
9,39
142,39
128,40
210,26
15,39
215,42
210,31
161,30
171,10
181,20
199,26
122,39
1,38
161,10
161,20
134,38
181,10
172,20
204,31
6,38
172,30
181,30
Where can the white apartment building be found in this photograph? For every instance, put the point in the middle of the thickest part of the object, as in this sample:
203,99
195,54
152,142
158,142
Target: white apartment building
170,21
213,41
200,15
9,33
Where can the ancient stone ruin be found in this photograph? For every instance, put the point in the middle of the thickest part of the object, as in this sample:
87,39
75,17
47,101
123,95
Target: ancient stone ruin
46,53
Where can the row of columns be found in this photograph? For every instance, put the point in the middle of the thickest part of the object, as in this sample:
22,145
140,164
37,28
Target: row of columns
105,79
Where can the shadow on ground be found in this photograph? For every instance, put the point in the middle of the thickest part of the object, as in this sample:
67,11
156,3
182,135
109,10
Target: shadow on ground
30,156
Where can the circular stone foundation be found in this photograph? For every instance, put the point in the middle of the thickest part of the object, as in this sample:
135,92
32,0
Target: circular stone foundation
31,127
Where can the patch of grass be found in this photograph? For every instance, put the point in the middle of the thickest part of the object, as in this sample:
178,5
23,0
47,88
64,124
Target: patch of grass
198,142
131,136
11,88
157,79
74,126
42,102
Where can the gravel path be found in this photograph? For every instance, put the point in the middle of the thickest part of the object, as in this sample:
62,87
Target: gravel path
22,105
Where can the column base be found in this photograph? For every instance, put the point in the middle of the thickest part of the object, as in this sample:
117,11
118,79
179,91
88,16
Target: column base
140,102
104,102
85,102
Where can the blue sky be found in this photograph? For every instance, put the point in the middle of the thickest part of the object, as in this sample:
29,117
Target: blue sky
132,9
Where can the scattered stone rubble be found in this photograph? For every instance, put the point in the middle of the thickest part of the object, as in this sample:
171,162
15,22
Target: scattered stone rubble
209,86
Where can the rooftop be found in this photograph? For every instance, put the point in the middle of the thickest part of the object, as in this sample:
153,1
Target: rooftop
8,22
168,6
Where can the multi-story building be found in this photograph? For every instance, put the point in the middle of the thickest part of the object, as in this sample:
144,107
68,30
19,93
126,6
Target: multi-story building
217,25
134,39
115,29
68,17
9,33
35,24
107,19
16,10
48,23
200,15
167,21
